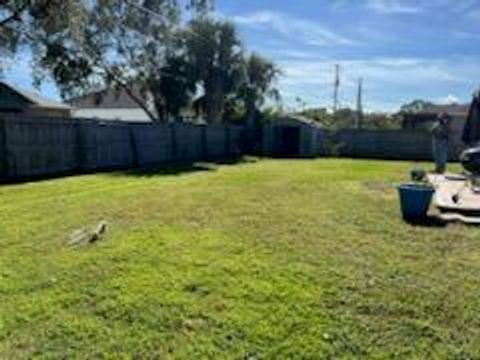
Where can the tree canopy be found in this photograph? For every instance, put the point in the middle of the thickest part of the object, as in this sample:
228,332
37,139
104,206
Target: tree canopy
215,52
260,76
142,47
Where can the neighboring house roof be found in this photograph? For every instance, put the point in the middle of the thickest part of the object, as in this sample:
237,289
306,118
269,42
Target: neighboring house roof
116,104
34,99
109,104
429,114
125,114
452,109
106,99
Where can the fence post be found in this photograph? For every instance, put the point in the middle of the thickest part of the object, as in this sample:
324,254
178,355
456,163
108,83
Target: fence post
133,145
203,140
227,140
79,148
3,149
174,142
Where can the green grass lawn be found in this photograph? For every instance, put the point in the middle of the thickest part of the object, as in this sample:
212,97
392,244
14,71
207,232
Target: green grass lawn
272,259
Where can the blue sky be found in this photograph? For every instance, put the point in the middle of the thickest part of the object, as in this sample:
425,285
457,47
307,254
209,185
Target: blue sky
404,49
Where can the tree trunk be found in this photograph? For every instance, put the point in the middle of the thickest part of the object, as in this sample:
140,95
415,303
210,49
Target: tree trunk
251,113
215,104
139,102
219,107
161,108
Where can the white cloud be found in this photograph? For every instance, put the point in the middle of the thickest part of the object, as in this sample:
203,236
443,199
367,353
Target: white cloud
448,100
308,32
418,6
394,6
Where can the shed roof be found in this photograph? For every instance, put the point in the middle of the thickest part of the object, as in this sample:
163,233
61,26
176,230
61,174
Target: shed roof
295,118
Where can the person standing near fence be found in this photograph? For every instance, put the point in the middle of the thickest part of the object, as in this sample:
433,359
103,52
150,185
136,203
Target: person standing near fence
441,135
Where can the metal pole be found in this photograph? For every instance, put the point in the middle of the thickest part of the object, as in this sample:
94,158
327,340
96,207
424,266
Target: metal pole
336,88
360,104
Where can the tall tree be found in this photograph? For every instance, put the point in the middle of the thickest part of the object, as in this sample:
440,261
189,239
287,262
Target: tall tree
215,52
173,87
89,44
258,84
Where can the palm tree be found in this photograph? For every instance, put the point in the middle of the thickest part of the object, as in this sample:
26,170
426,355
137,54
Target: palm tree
260,76
215,52
173,87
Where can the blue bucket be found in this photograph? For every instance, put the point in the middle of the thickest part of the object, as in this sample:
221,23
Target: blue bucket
415,200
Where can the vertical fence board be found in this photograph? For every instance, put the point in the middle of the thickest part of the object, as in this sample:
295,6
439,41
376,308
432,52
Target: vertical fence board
3,150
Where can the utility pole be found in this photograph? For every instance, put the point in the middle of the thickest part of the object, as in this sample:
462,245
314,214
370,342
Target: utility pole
336,88
360,104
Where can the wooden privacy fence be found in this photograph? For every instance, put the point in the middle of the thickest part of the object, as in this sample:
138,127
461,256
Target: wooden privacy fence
31,147
386,144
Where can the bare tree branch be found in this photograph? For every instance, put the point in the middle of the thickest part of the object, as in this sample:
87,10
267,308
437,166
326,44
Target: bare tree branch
15,14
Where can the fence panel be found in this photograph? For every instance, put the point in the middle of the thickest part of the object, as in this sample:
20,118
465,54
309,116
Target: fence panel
389,144
107,146
31,147
216,141
234,140
153,143
39,146
188,142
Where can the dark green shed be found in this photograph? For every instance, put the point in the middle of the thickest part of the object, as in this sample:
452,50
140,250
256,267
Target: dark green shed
292,136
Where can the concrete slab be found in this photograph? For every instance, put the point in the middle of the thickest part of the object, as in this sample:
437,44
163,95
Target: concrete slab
453,186
453,217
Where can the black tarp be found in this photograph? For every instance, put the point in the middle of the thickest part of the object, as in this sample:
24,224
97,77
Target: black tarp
471,132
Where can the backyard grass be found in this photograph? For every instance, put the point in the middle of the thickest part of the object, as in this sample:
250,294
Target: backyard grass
266,259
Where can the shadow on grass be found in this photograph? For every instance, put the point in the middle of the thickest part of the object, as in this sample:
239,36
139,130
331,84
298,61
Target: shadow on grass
181,168
165,169
427,222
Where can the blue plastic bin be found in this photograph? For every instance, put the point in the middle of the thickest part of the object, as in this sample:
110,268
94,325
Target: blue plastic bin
415,200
